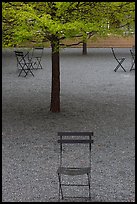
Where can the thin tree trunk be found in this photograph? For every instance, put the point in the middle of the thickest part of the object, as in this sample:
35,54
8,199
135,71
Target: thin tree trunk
55,89
84,48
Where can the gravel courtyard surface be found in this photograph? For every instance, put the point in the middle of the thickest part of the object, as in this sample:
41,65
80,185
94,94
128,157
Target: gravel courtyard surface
93,98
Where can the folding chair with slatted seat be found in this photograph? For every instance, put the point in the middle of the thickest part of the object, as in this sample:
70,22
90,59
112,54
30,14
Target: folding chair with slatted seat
132,51
119,60
37,54
23,63
75,167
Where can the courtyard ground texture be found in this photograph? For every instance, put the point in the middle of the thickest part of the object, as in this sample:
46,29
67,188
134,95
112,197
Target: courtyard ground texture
93,98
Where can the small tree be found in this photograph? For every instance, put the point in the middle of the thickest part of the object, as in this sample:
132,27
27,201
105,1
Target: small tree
55,21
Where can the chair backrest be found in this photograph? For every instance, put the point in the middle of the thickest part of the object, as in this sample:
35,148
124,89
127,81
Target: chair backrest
133,48
38,52
19,56
113,53
73,138
19,53
133,51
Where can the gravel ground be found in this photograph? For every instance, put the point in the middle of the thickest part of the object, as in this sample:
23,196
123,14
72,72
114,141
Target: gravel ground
93,98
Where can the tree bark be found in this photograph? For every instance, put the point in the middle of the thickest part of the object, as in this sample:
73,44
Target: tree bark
84,48
55,88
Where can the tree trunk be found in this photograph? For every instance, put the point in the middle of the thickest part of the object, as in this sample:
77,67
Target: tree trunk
84,48
55,89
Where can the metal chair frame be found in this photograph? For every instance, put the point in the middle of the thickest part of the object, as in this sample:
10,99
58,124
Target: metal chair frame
25,65
73,171
37,57
133,59
120,61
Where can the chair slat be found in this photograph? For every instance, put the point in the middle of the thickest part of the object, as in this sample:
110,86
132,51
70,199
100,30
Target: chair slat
75,133
75,141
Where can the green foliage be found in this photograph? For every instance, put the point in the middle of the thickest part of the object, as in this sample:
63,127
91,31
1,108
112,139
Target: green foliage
40,21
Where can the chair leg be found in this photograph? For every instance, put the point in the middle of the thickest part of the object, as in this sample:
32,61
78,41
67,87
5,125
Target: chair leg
120,65
89,185
39,64
29,69
132,66
60,188
117,67
21,72
123,68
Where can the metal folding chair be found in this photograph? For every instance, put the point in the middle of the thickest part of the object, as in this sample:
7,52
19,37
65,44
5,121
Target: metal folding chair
23,63
75,167
37,54
119,60
132,51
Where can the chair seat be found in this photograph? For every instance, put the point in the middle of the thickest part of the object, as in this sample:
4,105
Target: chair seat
73,171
